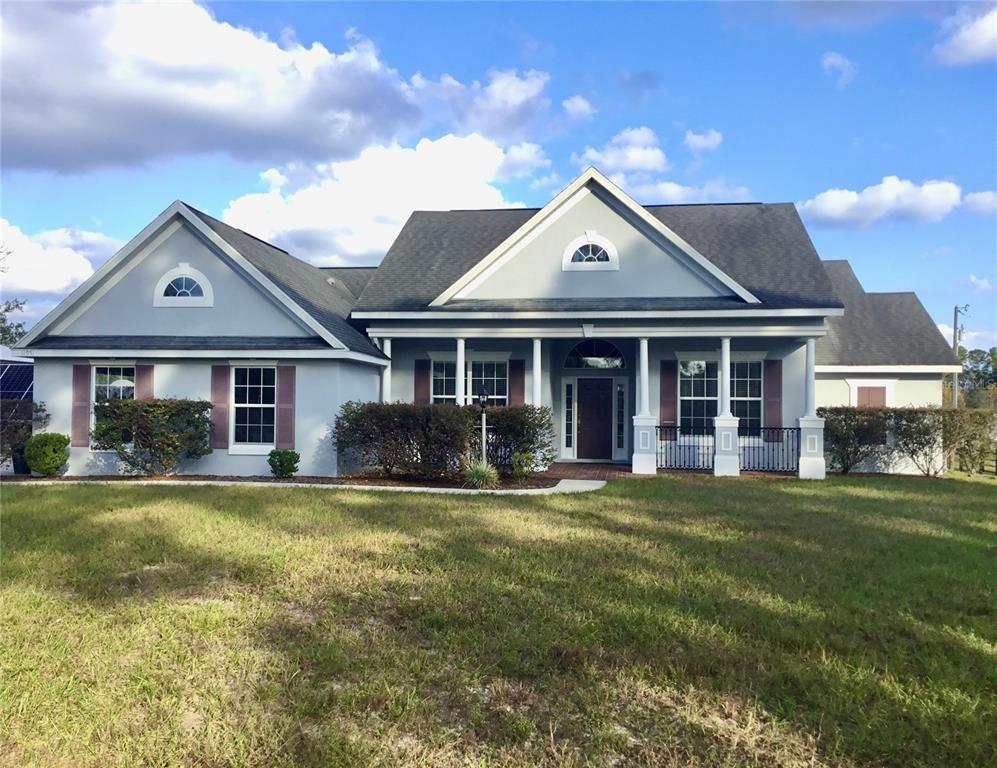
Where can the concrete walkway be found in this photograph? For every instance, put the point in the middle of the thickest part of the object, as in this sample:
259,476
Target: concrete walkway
563,486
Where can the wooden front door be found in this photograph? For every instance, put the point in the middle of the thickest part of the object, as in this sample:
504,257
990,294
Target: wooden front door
595,419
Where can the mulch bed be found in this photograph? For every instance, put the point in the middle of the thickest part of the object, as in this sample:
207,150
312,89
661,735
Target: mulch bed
538,481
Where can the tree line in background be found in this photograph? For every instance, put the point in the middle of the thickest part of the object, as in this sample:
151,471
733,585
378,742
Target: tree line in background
978,380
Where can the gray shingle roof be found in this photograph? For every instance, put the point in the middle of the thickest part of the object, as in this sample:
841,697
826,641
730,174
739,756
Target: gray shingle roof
330,305
763,247
180,342
879,328
354,279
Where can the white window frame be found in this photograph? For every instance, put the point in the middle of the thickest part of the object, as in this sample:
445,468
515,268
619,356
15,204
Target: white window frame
183,269
761,399
94,365
249,449
570,452
435,399
714,357
591,237
469,357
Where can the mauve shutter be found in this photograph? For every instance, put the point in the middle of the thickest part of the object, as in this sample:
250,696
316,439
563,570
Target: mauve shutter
871,397
81,406
144,387
668,398
422,382
517,382
286,377
219,399
772,382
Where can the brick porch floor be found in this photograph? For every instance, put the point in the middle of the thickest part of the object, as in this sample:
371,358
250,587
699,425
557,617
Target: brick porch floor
572,471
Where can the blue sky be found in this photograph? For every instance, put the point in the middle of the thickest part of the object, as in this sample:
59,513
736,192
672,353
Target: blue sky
320,126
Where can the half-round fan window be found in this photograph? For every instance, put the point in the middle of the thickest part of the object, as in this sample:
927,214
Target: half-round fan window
595,353
183,287
590,252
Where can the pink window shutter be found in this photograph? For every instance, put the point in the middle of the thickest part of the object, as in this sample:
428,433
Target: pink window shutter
144,386
422,383
517,382
286,378
772,382
80,431
219,400
668,396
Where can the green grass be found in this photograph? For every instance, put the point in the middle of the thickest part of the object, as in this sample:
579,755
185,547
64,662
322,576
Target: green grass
683,620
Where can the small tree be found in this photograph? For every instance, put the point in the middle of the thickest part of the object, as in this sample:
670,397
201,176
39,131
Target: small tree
47,452
917,435
18,419
854,435
968,437
153,437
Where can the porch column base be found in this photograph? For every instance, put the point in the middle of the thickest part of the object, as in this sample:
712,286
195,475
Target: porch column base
726,460
645,455
812,465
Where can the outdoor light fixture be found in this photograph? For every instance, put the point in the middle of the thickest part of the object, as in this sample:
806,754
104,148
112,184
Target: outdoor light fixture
482,404
483,398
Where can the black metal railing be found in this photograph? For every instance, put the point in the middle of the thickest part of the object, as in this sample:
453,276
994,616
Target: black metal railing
685,449
769,449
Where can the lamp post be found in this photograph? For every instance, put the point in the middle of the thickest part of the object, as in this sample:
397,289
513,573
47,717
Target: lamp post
483,404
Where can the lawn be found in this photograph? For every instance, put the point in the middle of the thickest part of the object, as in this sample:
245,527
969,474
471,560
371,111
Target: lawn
682,620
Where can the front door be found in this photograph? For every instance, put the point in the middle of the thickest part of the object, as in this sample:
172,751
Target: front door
595,419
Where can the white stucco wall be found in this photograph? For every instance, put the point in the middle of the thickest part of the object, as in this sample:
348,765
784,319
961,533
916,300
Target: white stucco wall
321,388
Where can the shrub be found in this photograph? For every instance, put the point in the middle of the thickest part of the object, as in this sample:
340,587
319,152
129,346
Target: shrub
522,466
481,474
153,436
18,419
283,463
968,436
917,435
47,452
515,429
418,441
854,435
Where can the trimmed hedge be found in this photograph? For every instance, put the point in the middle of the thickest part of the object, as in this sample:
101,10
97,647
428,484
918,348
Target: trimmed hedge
434,441
153,437
930,438
18,419
47,452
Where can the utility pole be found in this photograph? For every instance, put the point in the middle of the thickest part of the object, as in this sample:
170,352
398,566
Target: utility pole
956,335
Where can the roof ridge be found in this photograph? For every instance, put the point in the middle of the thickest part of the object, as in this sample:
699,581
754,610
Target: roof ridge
247,234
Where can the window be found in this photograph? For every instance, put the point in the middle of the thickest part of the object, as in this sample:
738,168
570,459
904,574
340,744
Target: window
569,414
621,414
254,393
492,375
494,378
184,287
746,396
595,353
699,391
113,383
591,252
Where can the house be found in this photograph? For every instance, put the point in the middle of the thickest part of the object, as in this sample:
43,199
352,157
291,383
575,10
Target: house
700,336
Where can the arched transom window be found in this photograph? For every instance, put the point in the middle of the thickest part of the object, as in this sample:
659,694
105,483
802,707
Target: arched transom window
183,286
595,353
590,252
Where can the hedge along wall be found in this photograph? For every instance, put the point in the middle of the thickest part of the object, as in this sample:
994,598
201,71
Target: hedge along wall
907,440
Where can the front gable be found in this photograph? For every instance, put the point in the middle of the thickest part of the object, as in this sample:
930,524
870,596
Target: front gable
636,256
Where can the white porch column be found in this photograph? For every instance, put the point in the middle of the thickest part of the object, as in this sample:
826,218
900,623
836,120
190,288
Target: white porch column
537,380
386,372
724,377
726,455
461,372
645,390
812,463
645,438
810,398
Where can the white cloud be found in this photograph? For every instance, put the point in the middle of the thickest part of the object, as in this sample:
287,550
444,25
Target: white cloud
552,179
703,142
351,211
631,150
273,178
892,198
971,39
670,192
836,65
980,284
53,261
578,108
522,160
129,82
971,339
981,202
504,108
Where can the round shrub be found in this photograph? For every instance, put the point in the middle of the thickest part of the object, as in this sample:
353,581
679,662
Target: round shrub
481,474
283,463
47,452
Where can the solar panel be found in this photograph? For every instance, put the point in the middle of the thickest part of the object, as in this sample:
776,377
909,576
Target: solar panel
16,381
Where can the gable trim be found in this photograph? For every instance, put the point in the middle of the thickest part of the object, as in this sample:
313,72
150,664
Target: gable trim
474,276
71,304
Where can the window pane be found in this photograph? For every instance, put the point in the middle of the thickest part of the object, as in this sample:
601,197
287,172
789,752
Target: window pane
240,434
240,376
270,376
255,375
